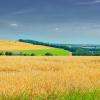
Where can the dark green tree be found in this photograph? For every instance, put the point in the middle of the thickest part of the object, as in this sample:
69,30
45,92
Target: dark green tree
48,54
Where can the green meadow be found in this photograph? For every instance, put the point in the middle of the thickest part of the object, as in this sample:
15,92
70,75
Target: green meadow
54,52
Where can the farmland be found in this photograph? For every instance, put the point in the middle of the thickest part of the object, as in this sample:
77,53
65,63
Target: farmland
15,45
21,48
55,52
43,78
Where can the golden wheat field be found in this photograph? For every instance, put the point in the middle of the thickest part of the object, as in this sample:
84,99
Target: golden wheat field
15,45
46,75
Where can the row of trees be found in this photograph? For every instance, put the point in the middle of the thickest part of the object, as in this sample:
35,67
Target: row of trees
8,53
86,52
44,44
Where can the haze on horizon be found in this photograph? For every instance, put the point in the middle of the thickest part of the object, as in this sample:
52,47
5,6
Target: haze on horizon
58,21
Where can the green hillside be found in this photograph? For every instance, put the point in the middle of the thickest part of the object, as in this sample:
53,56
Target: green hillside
54,52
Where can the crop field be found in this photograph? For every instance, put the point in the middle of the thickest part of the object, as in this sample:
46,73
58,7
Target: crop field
55,52
15,45
49,78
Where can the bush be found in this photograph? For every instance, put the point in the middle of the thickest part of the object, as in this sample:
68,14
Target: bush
8,53
32,54
48,54
1,53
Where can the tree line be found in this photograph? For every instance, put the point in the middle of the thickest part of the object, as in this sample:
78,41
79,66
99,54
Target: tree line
9,53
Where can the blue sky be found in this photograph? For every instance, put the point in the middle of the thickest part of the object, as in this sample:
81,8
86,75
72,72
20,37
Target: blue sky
59,21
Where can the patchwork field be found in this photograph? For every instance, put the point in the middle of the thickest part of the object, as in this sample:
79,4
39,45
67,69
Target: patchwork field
50,78
20,48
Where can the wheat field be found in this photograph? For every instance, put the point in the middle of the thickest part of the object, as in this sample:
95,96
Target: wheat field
15,45
48,75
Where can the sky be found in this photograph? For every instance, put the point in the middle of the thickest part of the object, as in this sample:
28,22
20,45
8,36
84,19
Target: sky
56,21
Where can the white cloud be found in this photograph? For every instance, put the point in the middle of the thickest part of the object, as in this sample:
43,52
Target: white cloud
14,25
57,28
92,2
97,1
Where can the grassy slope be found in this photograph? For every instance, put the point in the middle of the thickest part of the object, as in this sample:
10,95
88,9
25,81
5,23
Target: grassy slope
55,52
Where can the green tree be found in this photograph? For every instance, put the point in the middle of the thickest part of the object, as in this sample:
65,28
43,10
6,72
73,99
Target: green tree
1,53
32,54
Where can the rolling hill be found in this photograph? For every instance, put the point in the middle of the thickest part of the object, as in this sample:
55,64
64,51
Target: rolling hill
15,45
27,48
